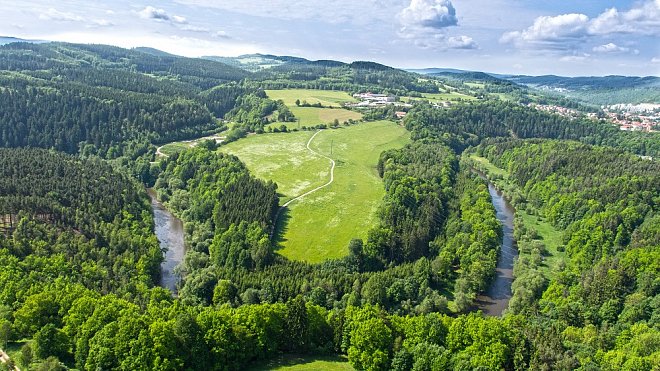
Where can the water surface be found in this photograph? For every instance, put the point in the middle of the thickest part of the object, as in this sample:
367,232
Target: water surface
169,230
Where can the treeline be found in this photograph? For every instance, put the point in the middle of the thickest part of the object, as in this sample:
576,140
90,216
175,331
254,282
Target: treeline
80,216
466,125
354,77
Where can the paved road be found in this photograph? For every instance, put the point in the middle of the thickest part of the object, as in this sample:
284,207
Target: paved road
332,179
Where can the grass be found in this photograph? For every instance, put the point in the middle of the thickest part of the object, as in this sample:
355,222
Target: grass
171,148
327,98
551,237
305,363
447,96
283,158
320,226
491,169
312,116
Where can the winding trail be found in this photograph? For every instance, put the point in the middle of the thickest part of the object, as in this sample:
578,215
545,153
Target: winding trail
332,179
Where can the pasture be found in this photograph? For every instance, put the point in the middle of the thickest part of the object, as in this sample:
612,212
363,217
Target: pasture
320,226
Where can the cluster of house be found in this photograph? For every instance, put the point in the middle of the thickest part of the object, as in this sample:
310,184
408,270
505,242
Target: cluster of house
371,100
562,111
627,117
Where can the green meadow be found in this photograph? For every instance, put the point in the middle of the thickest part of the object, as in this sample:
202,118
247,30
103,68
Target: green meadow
327,98
320,225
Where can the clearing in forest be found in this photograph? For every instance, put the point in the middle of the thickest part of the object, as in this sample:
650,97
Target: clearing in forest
320,225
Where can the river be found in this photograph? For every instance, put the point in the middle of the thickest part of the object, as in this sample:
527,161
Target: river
496,299
169,230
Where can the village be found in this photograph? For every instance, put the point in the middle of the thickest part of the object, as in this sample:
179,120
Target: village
642,117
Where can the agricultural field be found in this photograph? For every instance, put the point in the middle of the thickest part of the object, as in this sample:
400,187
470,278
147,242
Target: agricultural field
320,226
312,116
328,98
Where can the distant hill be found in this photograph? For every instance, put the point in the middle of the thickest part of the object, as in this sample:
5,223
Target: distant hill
153,51
431,71
599,90
8,39
256,62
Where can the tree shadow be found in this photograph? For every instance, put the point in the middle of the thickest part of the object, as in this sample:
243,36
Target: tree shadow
280,229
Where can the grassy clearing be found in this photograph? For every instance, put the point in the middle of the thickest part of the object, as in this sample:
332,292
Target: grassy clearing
312,116
305,363
174,147
551,237
327,98
453,96
283,158
321,225
491,169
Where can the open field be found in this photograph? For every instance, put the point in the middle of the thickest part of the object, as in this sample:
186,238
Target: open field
327,98
447,96
321,225
174,147
312,116
551,237
305,363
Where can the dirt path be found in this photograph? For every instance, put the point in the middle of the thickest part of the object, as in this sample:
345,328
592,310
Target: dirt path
332,179
4,358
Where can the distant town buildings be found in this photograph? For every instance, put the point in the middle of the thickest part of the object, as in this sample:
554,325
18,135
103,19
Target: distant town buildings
628,117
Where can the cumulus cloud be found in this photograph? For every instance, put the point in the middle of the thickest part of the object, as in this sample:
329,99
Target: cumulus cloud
610,48
563,32
550,31
150,12
425,23
461,42
655,60
429,14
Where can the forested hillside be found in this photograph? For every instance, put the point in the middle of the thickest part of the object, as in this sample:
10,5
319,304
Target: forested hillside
99,98
466,125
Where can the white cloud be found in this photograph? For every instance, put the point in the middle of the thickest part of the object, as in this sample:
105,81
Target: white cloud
564,32
332,12
55,15
425,21
150,12
461,42
609,48
655,60
434,14
548,30
574,58
195,28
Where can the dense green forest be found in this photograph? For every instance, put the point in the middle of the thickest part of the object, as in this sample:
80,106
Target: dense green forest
80,264
467,124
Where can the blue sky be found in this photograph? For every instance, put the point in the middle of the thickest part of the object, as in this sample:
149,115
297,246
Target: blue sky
584,37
